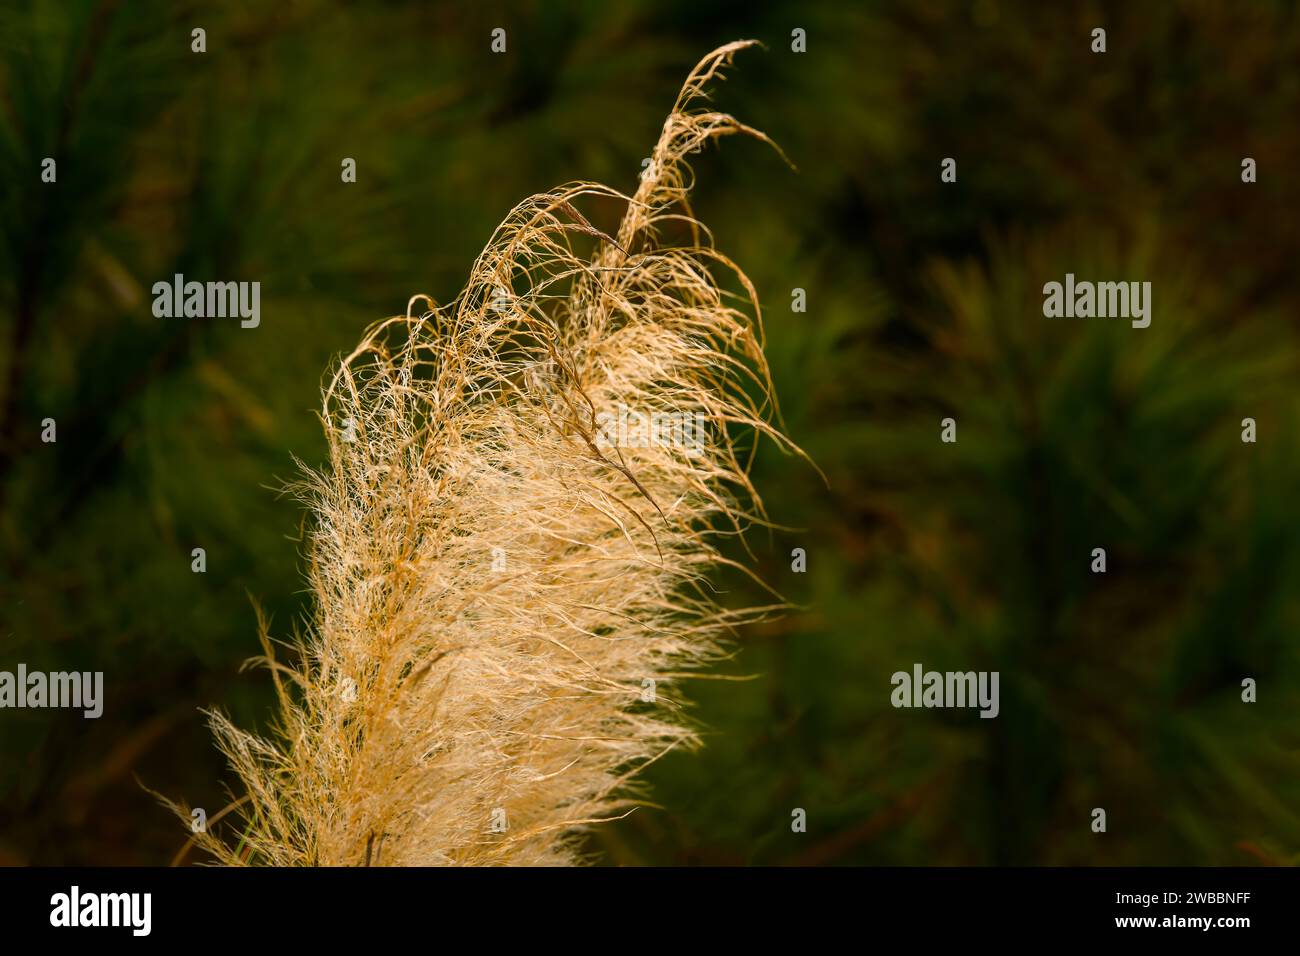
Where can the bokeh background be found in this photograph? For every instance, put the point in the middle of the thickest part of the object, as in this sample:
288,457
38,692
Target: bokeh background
1120,691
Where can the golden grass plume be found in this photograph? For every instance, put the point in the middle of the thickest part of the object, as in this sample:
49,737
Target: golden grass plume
501,577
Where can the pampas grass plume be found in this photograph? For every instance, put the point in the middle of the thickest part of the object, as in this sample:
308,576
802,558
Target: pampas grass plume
498,582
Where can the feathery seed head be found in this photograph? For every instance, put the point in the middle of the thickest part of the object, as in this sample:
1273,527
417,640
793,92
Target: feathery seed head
512,540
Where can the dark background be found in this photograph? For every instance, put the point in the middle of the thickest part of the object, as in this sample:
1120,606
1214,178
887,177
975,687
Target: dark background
1119,691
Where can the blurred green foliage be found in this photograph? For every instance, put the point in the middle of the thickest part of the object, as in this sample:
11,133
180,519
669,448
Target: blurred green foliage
1119,691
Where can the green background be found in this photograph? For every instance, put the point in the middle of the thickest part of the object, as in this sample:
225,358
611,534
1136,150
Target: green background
1119,691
